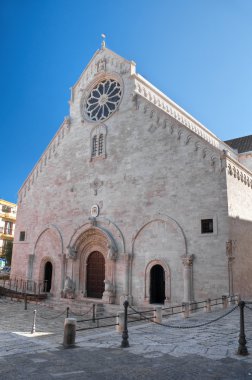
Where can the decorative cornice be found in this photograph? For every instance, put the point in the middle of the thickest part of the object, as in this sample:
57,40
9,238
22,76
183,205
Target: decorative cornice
238,171
46,156
147,91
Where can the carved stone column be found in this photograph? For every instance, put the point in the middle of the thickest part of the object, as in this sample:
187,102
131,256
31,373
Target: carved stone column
69,285
230,247
126,289
188,278
109,292
30,266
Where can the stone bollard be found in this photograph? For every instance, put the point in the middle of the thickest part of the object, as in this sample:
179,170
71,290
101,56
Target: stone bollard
69,332
237,299
185,310
120,321
208,306
224,302
158,314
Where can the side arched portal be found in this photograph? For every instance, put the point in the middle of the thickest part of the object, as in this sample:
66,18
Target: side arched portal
48,270
157,284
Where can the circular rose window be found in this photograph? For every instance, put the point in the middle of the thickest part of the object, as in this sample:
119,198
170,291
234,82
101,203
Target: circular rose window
103,100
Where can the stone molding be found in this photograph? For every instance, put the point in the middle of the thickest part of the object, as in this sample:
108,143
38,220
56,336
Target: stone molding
160,121
43,230
113,61
147,91
161,218
238,171
46,156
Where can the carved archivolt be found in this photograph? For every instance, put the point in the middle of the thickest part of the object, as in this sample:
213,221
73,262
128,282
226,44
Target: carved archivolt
95,240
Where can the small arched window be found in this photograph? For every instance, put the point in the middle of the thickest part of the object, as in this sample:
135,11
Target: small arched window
98,142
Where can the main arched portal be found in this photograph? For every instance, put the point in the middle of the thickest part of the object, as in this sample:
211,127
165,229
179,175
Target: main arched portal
48,276
157,284
95,275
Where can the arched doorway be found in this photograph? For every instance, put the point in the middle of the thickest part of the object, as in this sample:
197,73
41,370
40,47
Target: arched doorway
48,276
95,275
157,284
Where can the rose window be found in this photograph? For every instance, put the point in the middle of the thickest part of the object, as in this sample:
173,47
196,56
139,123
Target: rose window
103,100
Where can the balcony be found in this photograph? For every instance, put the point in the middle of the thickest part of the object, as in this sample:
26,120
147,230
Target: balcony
8,215
6,232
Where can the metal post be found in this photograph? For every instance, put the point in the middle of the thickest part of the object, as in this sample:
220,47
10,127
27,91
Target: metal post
224,302
242,349
33,330
125,342
93,318
25,301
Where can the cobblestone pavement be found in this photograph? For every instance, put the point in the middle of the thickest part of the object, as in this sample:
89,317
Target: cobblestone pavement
207,352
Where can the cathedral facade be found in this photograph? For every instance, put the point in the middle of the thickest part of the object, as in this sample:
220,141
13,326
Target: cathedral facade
134,199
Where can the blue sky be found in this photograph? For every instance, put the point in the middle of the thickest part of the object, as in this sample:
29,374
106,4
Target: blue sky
198,52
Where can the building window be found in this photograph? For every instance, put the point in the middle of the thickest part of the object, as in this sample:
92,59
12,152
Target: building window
98,142
94,146
100,148
206,226
6,208
103,100
8,228
22,236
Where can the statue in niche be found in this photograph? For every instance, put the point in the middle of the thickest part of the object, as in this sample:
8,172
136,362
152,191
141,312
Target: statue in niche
112,252
109,292
69,288
72,253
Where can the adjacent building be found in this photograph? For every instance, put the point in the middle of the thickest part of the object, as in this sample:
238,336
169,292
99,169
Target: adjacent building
134,198
8,212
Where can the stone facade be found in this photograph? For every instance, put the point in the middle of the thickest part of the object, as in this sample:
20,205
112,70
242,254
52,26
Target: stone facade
114,207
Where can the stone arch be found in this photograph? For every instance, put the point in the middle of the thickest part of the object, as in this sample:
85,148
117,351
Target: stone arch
43,230
162,218
41,277
48,247
159,240
147,276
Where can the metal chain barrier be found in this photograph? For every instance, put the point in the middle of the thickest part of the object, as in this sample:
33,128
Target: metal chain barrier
247,307
81,315
54,317
187,327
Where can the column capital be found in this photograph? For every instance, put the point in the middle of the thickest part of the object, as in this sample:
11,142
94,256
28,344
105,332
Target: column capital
187,260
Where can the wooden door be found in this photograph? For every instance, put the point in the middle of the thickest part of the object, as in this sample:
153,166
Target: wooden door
95,275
